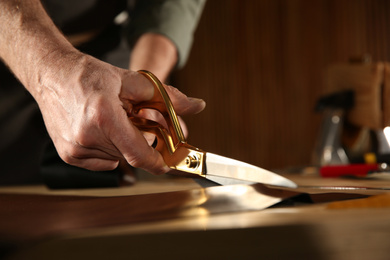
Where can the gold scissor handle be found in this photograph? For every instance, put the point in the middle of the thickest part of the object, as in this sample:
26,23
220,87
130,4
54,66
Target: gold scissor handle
171,142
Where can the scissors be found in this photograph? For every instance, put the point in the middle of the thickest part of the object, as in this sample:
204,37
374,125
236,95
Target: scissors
185,158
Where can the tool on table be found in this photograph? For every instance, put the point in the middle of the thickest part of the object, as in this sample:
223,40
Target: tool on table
357,170
181,156
329,150
356,108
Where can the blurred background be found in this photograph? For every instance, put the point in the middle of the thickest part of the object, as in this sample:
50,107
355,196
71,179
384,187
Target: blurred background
259,66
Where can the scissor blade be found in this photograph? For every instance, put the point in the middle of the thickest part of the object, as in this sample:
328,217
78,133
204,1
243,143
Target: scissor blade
228,171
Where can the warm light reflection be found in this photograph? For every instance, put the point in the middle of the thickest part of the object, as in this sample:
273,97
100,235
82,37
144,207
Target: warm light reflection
236,190
386,132
198,197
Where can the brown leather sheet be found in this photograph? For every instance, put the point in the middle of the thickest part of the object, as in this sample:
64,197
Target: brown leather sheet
25,217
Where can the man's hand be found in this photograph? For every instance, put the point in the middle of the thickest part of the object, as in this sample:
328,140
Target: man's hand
84,101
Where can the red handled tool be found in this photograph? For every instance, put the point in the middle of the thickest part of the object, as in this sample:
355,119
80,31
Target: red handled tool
358,170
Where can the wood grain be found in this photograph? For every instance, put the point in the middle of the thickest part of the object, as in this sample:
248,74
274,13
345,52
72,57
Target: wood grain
260,67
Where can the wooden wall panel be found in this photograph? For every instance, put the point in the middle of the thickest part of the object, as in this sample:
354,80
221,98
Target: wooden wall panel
259,66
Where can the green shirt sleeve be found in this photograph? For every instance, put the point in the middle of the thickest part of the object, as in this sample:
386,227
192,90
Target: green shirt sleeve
175,19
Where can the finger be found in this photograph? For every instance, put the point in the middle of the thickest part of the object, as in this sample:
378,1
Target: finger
93,142
135,149
95,164
152,115
136,87
184,105
155,116
142,155
183,126
95,152
91,159
149,137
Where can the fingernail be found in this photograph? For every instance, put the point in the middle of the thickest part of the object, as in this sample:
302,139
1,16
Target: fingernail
197,100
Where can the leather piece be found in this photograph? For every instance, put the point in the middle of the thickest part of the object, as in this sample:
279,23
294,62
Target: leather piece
27,217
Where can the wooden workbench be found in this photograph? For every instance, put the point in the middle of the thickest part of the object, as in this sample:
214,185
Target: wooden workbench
50,225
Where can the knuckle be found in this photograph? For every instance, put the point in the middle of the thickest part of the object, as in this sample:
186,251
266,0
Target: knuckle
72,154
136,162
94,123
152,164
100,165
69,159
85,134
83,137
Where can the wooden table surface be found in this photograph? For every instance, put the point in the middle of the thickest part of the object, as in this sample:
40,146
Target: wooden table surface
348,229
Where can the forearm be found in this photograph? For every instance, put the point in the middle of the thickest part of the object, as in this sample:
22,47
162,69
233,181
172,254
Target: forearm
29,41
155,53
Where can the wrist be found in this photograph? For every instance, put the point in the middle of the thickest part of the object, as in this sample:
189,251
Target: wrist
50,69
41,54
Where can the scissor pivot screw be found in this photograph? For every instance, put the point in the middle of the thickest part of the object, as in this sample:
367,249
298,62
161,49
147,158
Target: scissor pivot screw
192,161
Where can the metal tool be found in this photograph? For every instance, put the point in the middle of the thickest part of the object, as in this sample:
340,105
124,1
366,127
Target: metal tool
329,150
181,156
